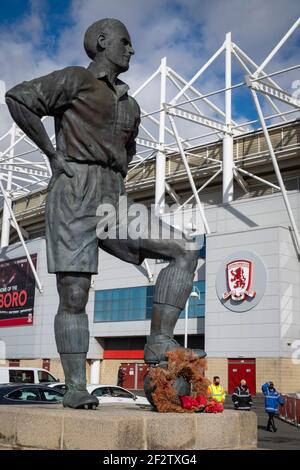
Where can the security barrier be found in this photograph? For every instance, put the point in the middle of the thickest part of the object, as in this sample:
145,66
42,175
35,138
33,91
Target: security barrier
290,411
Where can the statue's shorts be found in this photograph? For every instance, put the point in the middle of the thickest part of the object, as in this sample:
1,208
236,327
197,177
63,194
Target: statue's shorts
77,221
75,207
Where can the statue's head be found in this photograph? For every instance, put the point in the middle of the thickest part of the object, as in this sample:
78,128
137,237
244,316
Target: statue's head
109,40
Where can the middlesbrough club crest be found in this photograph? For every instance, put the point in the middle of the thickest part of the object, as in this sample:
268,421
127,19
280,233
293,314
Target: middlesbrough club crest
239,279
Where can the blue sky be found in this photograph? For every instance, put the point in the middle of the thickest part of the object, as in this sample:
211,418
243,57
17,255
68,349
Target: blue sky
55,10
38,36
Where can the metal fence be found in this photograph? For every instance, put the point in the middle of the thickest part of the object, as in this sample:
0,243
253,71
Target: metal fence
290,411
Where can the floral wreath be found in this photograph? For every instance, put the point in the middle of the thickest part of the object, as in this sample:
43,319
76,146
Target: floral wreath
182,363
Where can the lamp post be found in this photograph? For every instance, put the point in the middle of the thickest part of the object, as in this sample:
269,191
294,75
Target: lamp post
195,294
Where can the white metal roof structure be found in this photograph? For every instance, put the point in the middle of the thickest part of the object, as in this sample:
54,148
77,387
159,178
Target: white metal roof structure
183,119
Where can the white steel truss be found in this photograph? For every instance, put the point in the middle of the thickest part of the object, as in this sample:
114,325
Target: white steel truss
23,168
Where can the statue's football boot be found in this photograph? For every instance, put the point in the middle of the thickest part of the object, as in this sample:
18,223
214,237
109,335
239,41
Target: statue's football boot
158,345
80,399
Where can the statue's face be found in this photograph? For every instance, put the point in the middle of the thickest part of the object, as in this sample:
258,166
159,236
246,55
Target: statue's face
117,46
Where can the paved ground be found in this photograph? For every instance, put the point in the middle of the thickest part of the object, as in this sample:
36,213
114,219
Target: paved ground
287,436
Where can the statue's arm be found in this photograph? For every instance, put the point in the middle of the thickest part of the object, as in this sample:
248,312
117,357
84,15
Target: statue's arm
31,125
49,95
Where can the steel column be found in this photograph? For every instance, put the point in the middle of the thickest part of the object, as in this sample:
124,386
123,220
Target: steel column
228,139
161,156
6,213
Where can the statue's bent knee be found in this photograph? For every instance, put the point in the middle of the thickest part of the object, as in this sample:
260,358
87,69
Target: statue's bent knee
190,260
74,299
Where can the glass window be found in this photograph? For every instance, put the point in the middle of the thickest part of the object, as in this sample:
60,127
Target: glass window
21,376
135,303
149,301
101,392
25,394
115,294
120,393
124,304
51,395
45,376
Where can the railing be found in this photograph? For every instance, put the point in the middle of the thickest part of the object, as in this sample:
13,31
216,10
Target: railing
290,411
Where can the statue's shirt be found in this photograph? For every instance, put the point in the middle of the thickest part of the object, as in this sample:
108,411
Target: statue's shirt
95,121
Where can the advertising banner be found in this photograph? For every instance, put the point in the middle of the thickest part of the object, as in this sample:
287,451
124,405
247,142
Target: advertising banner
17,289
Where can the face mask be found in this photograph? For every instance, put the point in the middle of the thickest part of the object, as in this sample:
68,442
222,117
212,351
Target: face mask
217,382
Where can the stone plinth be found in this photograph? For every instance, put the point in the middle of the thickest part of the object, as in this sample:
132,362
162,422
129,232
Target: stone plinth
120,428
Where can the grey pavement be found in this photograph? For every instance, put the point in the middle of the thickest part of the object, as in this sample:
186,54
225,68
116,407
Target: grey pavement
287,436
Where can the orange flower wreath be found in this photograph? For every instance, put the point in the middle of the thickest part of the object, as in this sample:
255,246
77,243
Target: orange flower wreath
181,363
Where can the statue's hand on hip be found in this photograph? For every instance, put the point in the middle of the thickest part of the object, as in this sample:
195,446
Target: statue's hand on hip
58,166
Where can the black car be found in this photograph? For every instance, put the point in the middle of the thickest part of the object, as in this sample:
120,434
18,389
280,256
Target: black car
61,387
29,394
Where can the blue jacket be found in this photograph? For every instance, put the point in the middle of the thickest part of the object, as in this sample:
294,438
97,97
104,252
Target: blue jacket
272,399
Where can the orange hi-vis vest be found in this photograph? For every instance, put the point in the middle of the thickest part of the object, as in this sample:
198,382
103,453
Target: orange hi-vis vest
217,392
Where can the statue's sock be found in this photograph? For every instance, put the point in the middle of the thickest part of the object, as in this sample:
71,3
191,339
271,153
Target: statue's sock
173,286
72,340
71,333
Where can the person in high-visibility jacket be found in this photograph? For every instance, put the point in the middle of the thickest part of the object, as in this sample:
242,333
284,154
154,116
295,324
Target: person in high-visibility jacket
216,391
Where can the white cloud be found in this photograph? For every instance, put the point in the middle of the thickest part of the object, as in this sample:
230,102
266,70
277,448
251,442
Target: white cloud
186,31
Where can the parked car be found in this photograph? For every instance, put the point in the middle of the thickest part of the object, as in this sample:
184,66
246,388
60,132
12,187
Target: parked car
108,394
60,386
32,375
27,394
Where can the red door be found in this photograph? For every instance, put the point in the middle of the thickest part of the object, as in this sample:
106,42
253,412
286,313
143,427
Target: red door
134,375
129,378
239,369
142,371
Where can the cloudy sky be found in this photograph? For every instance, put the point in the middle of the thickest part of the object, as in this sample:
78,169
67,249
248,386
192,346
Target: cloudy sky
38,36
